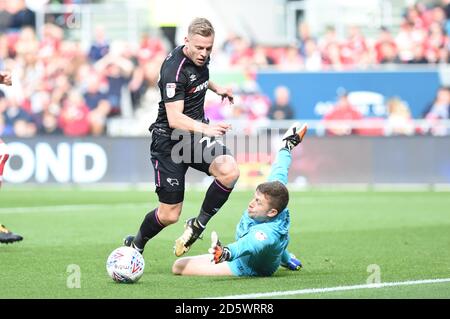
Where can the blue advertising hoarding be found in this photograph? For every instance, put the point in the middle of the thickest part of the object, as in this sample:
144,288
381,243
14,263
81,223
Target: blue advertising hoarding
314,93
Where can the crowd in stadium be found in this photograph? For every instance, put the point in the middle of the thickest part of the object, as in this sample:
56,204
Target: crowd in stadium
59,88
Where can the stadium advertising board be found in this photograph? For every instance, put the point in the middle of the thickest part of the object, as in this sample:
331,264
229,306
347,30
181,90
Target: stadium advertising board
369,160
314,93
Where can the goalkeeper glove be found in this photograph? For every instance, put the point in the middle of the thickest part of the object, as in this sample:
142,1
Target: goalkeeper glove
219,253
293,263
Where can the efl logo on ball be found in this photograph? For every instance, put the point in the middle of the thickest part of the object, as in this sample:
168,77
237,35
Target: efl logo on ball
125,265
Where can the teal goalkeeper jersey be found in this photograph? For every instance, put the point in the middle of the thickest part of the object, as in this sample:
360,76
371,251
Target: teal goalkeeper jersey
262,246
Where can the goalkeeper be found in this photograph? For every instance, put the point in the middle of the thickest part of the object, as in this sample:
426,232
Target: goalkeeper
262,234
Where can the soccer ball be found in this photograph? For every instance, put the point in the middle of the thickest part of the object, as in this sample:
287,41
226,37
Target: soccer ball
125,265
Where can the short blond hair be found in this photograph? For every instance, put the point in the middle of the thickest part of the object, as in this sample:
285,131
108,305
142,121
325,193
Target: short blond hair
201,26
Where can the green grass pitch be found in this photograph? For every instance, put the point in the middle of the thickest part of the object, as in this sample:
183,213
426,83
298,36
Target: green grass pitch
337,235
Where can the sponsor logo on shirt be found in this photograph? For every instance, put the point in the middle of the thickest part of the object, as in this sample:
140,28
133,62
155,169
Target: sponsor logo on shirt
199,88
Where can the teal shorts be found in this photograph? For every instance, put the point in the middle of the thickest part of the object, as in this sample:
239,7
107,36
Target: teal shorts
241,269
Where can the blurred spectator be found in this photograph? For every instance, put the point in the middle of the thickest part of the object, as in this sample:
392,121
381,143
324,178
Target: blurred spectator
74,119
5,130
446,8
40,101
21,16
385,47
52,38
438,110
405,41
330,47
229,45
24,128
144,81
330,37
93,95
257,107
435,41
100,47
5,16
414,16
117,70
388,52
291,59
4,50
18,119
98,104
342,111
242,52
355,50
27,43
260,57
304,35
49,124
418,55
436,14
281,108
61,87
399,118
436,37
151,46
332,58
97,118
313,58
444,55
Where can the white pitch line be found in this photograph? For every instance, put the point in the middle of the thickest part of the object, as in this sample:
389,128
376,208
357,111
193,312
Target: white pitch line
333,289
66,208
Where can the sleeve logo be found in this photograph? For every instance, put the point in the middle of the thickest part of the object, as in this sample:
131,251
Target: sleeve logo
170,90
260,236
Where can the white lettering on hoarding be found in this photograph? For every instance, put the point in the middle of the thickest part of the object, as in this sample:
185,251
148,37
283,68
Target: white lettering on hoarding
58,164
68,164
80,172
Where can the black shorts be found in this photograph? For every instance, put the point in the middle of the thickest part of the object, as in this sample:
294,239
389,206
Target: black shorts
172,158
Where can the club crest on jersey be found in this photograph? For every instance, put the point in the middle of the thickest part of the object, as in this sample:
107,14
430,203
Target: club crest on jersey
173,181
260,236
170,89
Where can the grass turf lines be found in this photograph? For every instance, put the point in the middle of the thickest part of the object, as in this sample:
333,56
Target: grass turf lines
337,235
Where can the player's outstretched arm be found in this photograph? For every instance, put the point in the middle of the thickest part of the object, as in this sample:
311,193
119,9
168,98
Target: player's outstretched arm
225,93
293,136
250,244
